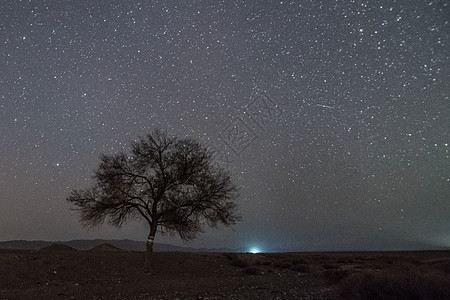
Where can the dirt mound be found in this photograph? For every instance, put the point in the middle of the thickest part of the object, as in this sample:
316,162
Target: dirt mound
106,247
58,248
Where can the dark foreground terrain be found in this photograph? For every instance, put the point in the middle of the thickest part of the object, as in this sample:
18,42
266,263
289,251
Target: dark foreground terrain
64,273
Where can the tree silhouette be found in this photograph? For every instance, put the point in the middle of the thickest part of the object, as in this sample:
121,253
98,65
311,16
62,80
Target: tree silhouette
171,183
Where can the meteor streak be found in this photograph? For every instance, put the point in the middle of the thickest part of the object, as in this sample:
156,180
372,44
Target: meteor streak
327,106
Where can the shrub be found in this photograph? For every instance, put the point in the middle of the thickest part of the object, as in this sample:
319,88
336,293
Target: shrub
389,260
266,263
443,266
301,268
329,266
324,257
253,271
282,264
395,283
230,256
333,276
346,260
297,261
238,262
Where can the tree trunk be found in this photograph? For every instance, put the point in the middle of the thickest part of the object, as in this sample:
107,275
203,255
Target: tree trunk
148,266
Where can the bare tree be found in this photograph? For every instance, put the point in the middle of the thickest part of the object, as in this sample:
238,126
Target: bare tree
168,182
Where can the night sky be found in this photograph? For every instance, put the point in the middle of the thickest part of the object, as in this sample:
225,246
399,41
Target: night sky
333,116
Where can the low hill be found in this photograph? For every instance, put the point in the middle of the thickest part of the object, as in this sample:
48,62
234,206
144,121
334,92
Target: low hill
57,248
106,247
126,245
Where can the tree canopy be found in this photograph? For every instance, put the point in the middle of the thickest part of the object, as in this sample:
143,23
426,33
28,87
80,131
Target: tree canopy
170,183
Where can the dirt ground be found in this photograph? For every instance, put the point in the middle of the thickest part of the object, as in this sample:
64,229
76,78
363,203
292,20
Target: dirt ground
62,273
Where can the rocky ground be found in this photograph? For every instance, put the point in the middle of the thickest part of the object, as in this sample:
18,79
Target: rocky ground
60,272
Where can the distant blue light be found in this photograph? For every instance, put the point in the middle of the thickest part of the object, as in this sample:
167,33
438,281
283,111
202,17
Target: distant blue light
255,250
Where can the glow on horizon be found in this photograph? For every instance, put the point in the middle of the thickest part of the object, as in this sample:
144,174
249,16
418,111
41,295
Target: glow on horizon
255,250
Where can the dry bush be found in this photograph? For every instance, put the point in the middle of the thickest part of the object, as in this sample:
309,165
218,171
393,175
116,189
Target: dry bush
282,264
238,262
442,265
333,276
372,266
346,260
330,266
325,257
230,256
263,262
359,257
297,261
266,263
302,268
405,282
387,259
253,271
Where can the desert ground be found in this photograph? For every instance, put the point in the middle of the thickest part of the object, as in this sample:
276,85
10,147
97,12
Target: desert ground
61,272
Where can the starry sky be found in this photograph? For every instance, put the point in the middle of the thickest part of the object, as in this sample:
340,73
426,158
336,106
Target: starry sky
333,116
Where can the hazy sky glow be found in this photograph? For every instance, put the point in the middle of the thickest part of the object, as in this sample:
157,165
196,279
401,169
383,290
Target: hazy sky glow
333,116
